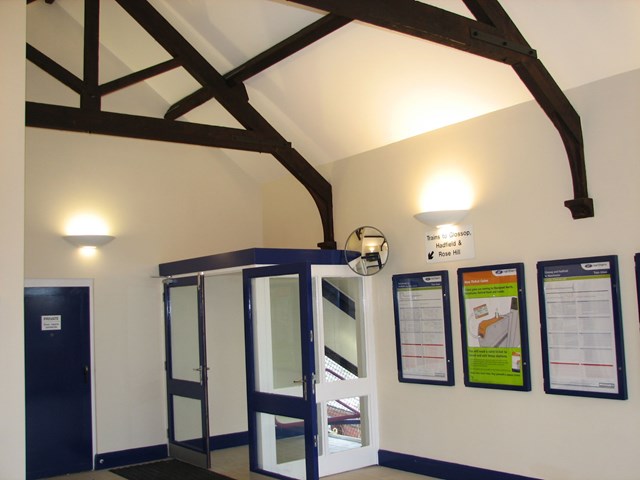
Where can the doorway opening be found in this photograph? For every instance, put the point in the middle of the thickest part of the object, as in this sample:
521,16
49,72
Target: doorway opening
343,412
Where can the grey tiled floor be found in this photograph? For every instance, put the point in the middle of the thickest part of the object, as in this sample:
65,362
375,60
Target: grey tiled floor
234,463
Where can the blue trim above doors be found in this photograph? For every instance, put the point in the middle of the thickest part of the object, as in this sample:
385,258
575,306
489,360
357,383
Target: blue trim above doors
251,256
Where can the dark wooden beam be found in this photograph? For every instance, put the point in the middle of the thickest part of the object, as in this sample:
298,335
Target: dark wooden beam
136,77
54,69
429,23
90,95
494,36
188,103
293,44
133,126
305,37
550,98
235,101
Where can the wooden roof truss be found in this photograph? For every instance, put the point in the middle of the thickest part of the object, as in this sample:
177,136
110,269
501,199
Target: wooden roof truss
492,35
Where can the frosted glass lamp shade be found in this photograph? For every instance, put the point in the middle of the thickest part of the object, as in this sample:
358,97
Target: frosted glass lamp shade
88,240
441,218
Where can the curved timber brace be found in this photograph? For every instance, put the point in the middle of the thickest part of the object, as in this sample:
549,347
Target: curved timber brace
494,36
258,135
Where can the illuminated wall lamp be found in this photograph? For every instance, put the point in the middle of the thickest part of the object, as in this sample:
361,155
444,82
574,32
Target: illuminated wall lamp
441,218
92,241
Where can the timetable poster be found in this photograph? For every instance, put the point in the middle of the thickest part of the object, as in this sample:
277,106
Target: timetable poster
582,335
423,332
494,326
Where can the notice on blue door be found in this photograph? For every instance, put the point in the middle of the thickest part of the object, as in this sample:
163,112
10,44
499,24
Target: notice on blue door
450,244
51,322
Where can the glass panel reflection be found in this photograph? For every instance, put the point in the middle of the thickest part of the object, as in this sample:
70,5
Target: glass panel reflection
343,328
347,423
281,446
185,351
278,359
187,422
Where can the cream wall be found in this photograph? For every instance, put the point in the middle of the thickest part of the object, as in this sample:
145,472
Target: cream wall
12,68
518,167
163,202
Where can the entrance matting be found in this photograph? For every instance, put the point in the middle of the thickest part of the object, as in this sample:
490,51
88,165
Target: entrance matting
167,470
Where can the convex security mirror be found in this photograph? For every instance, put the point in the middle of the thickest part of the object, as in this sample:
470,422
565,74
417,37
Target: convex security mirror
366,250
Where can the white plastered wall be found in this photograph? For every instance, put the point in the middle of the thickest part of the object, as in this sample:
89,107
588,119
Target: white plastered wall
163,202
518,167
12,69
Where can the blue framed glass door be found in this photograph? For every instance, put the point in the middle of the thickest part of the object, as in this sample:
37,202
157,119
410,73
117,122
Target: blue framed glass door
280,359
186,368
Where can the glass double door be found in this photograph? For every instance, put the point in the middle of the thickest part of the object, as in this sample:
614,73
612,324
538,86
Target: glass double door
186,370
309,395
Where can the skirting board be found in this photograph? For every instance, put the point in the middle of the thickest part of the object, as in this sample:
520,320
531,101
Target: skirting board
132,456
440,469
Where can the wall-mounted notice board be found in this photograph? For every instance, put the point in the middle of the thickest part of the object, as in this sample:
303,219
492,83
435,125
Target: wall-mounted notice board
423,327
582,346
493,317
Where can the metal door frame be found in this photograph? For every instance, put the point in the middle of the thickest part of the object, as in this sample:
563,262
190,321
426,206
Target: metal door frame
259,402
183,388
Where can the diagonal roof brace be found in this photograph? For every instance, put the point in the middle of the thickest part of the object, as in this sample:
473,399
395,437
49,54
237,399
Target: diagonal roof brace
494,36
258,136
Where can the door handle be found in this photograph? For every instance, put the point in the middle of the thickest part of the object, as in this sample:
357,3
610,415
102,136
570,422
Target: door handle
200,369
85,370
303,382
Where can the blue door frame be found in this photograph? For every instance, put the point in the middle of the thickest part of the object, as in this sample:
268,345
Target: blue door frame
275,404
192,450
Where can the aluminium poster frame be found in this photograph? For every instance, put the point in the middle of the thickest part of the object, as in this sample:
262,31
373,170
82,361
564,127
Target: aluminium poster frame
582,339
493,321
423,328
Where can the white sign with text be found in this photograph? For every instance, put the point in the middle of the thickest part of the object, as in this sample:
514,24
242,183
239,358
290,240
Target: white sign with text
51,322
449,244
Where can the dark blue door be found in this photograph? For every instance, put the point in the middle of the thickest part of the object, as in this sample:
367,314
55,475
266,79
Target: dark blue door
57,380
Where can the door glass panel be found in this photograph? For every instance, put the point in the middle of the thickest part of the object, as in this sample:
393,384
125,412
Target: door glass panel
343,319
281,445
277,341
187,421
347,424
185,349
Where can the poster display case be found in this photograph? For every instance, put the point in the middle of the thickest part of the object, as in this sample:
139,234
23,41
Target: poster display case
494,327
582,342
423,327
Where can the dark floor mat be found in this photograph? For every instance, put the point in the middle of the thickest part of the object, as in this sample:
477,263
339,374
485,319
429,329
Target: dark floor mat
167,470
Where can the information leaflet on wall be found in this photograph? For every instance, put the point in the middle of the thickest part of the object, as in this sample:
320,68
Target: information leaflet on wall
492,327
580,327
421,318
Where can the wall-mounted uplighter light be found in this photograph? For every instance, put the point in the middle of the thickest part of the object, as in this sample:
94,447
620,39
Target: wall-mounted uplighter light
441,218
91,241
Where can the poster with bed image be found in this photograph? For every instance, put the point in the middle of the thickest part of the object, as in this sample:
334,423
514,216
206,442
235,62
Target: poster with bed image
494,327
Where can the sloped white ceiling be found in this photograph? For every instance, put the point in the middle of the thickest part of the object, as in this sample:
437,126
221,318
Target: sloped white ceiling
361,87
